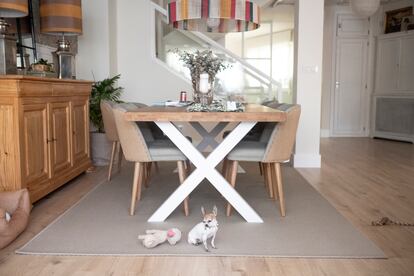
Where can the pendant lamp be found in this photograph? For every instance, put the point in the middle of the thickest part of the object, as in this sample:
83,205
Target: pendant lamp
218,16
365,8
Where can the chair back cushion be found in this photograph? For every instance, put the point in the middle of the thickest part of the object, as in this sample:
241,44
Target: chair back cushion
108,120
132,140
283,137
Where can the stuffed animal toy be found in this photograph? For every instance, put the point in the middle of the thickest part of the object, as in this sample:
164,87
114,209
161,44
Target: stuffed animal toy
156,237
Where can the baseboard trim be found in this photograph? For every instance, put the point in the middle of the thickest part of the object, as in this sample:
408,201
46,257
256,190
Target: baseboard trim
325,133
307,161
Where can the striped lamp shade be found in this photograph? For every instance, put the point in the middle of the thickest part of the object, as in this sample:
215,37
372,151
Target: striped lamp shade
218,16
61,16
14,8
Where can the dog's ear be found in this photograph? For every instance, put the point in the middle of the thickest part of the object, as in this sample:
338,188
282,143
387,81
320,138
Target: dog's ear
215,210
202,211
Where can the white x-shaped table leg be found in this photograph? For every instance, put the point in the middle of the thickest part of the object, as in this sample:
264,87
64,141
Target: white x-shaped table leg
205,168
208,137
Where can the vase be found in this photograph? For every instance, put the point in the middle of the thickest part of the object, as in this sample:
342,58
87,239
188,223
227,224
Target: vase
197,94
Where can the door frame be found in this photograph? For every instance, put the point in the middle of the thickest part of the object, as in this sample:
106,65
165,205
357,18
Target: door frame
369,75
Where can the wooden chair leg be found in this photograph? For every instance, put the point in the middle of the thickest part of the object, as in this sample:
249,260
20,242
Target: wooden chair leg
157,168
268,178
224,167
261,168
188,166
279,184
147,174
274,181
136,187
120,155
141,179
233,175
182,175
227,171
111,162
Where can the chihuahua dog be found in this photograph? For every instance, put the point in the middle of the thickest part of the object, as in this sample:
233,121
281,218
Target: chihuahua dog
205,229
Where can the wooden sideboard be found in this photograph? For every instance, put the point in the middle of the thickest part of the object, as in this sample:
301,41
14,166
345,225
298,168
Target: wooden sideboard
44,132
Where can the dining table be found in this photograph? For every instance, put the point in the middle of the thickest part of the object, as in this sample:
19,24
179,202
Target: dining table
205,166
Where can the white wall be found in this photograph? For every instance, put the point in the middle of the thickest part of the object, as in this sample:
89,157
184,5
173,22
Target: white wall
117,40
93,58
308,76
328,36
144,80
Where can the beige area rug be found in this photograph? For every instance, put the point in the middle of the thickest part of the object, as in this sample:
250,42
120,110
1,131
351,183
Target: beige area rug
99,224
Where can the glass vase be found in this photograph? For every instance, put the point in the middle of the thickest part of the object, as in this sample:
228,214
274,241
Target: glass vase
197,94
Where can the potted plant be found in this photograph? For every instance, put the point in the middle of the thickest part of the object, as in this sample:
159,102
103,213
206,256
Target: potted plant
102,90
199,62
42,66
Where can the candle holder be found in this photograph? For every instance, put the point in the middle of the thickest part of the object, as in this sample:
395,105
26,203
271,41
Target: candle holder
203,92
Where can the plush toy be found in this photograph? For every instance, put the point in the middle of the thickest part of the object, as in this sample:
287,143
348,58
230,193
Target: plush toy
156,237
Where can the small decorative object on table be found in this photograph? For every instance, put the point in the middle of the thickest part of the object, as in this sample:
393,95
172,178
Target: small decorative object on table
42,66
215,106
152,238
199,63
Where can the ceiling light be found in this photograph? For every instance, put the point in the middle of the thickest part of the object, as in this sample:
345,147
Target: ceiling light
220,16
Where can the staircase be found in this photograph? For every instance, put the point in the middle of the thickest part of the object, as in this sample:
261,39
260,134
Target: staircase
242,78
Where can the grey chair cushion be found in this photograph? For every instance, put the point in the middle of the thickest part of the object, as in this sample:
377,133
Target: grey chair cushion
146,131
164,150
251,136
267,132
272,104
248,151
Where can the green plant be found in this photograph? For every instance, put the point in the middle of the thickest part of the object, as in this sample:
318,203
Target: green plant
42,61
103,90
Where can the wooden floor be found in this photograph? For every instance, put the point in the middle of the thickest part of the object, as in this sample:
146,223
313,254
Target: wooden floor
363,178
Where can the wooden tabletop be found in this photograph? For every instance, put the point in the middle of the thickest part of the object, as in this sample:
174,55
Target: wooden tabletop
252,113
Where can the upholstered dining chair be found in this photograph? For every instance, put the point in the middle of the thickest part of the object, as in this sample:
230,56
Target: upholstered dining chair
274,147
141,147
260,132
111,134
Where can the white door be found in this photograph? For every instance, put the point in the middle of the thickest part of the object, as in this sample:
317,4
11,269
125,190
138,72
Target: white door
406,70
387,66
350,99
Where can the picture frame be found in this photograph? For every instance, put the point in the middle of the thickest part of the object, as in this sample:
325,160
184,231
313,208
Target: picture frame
394,18
407,23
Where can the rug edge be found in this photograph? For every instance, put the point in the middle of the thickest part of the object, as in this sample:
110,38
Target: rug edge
18,251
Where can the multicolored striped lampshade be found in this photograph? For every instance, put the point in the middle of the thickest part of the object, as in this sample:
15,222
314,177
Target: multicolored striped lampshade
218,16
14,8
61,16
